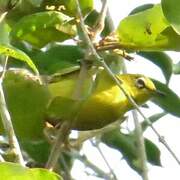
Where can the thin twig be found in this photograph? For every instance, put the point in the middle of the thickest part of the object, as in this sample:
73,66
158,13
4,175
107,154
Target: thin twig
62,134
4,68
98,59
99,24
89,164
86,135
104,158
66,168
78,92
7,123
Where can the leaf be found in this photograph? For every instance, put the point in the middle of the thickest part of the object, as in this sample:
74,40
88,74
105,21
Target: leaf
126,144
162,60
57,58
23,8
12,171
152,119
171,11
17,54
69,6
176,68
141,8
38,151
147,31
42,28
43,174
169,102
26,100
153,153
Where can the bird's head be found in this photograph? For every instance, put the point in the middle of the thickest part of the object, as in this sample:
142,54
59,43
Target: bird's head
139,87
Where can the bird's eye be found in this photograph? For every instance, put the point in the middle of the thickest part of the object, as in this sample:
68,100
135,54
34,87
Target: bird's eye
140,83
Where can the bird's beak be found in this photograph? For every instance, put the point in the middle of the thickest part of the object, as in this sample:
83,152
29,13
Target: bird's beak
159,93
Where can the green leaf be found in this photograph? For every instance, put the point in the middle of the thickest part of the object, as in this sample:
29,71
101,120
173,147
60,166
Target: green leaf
171,11
169,102
176,68
152,119
162,60
23,8
27,100
126,144
145,32
43,174
153,153
42,28
141,8
57,58
38,151
17,54
13,171
69,6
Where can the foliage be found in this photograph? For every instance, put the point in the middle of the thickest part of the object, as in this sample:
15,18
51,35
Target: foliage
15,171
34,34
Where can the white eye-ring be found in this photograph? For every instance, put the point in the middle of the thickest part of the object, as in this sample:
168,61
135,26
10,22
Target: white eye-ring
140,83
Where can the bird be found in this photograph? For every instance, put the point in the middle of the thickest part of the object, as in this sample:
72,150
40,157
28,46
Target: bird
102,102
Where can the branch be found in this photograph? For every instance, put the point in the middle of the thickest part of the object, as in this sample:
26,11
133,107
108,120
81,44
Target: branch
62,134
86,135
7,123
99,60
67,171
100,23
140,146
104,158
84,159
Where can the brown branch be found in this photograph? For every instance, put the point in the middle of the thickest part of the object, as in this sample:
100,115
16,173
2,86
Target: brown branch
62,134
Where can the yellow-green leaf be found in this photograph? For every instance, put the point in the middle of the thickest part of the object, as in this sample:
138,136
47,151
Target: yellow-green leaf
26,100
171,11
42,28
12,171
17,54
146,31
